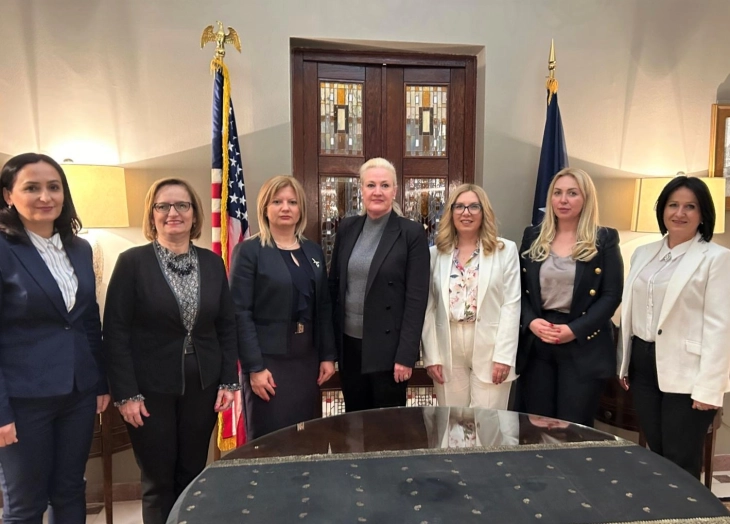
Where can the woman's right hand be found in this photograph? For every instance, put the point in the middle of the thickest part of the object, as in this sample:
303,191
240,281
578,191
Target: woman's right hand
545,331
8,435
133,411
436,372
262,383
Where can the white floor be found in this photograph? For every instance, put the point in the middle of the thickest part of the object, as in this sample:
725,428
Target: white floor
123,513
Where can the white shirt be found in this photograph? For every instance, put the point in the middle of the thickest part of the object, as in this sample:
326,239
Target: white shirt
55,257
650,287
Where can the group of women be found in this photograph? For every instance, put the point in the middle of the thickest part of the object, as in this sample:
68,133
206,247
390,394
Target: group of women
484,312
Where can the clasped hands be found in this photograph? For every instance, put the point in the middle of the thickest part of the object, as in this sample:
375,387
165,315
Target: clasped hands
551,333
500,372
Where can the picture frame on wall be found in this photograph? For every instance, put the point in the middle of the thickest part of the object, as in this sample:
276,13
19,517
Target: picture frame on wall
719,164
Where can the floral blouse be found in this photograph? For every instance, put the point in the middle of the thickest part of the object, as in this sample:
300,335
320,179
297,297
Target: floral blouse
463,288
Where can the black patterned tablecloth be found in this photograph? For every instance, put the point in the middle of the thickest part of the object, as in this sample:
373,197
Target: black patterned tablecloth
587,482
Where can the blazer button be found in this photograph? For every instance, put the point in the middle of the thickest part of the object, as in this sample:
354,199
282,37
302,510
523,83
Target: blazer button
588,337
66,327
598,270
583,313
390,283
387,308
659,332
524,270
592,292
387,332
527,291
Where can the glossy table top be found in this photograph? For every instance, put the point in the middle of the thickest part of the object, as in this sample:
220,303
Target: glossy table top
416,428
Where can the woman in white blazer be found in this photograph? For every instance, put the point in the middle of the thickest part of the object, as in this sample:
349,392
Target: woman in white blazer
675,335
472,319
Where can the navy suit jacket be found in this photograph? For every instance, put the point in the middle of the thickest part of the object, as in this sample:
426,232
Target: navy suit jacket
262,293
46,350
597,292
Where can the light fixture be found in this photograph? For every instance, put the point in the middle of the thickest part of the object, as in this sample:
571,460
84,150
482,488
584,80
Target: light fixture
99,194
646,193
100,197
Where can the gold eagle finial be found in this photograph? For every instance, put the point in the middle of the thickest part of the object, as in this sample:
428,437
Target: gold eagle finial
221,38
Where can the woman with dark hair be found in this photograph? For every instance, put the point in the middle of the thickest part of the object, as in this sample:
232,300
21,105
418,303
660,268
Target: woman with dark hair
51,378
170,345
572,277
674,331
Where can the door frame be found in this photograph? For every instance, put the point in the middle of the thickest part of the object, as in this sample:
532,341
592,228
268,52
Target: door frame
302,58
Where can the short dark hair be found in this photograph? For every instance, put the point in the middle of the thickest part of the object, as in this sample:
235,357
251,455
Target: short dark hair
67,224
704,199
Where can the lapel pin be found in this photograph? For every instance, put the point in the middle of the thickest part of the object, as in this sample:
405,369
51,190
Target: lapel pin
315,262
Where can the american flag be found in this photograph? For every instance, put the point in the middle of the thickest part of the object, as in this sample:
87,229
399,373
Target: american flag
231,226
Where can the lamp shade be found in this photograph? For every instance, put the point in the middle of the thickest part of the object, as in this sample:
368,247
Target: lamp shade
99,194
646,193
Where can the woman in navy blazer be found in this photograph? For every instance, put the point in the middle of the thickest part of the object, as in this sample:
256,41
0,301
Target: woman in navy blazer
572,278
51,378
279,287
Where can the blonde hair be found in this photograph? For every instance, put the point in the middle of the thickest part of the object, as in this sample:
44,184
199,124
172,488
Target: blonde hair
447,235
379,162
148,221
587,232
270,188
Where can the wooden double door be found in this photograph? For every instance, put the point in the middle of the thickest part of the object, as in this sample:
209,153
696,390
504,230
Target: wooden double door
417,111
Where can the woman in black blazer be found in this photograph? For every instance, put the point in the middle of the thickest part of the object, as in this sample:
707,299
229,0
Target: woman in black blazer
379,280
572,279
51,378
170,345
283,312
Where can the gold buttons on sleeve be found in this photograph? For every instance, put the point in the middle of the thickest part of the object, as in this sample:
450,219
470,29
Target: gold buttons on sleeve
592,292
524,270
598,270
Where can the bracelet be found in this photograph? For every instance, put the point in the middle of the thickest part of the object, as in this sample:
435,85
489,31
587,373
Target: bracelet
230,387
136,398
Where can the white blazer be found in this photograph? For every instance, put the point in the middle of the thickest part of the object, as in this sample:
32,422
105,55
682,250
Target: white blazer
693,333
497,324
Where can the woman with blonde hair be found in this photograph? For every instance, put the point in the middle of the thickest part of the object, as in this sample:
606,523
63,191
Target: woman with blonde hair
283,313
572,279
472,319
379,285
170,345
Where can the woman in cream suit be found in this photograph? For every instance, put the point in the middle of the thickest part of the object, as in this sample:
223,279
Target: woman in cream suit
472,318
675,334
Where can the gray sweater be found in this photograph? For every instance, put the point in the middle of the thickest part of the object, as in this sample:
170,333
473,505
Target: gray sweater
357,273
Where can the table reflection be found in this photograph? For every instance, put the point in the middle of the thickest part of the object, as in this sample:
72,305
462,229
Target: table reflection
416,428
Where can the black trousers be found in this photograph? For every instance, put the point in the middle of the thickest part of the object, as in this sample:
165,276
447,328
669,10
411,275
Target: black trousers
47,463
672,428
171,447
370,390
551,384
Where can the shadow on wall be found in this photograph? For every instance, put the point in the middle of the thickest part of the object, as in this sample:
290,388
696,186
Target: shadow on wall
723,92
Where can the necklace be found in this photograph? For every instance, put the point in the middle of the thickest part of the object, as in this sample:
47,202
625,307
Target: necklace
296,242
182,265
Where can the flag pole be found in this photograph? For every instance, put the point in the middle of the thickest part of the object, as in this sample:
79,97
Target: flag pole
551,84
220,196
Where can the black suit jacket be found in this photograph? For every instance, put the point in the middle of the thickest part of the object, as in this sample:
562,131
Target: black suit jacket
46,350
144,335
596,295
395,296
262,293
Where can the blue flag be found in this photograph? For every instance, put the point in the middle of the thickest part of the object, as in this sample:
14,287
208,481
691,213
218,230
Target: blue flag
553,158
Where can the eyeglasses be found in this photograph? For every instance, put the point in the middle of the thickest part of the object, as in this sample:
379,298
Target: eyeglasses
460,208
180,207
